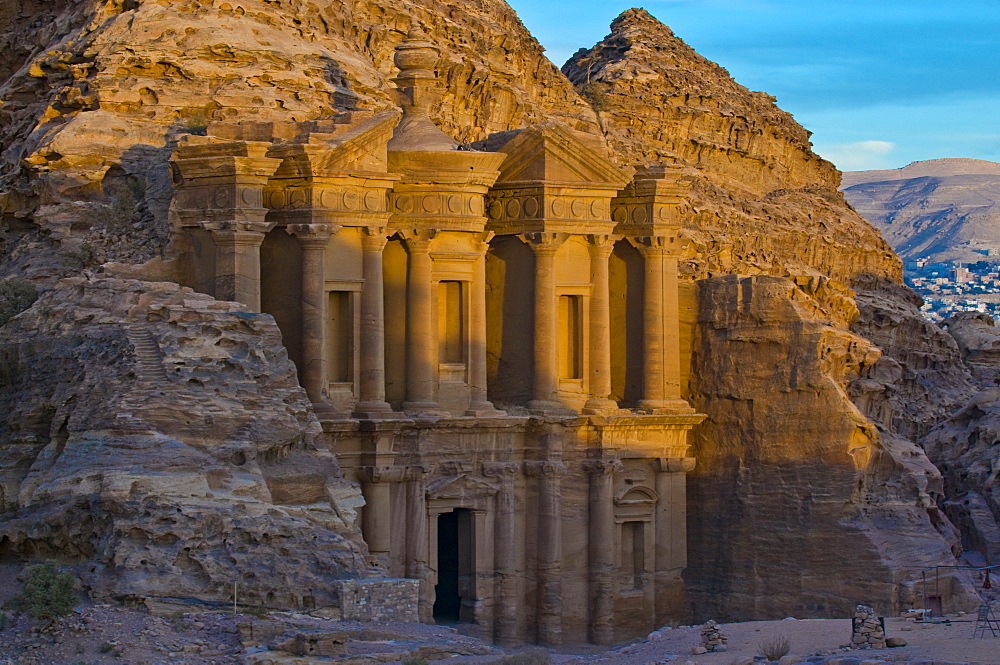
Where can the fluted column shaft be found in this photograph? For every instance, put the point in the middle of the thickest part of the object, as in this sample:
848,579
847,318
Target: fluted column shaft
313,238
371,389
600,327
421,327
237,260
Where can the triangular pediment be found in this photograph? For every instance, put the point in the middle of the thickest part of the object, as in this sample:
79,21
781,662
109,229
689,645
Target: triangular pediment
457,487
553,153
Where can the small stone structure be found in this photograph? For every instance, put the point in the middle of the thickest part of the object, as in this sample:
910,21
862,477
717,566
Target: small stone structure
868,629
379,599
712,638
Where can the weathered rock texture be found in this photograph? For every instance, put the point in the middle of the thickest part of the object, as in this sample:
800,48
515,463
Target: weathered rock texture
764,204
794,479
162,435
762,200
944,209
96,94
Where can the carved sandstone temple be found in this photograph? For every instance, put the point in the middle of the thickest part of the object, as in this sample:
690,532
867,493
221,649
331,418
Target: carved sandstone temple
490,339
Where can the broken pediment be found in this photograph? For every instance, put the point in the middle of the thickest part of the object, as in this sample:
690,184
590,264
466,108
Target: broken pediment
358,147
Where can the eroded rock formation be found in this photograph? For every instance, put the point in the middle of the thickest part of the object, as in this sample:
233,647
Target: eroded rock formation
162,436
790,308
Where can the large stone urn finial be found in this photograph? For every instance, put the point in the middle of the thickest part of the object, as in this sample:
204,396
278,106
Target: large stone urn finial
416,57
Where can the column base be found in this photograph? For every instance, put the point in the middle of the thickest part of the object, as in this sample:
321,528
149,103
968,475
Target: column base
484,409
375,411
547,407
664,406
602,406
428,409
324,410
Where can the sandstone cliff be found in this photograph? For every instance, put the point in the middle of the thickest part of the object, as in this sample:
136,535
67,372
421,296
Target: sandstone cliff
162,436
94,97
945,209
794,373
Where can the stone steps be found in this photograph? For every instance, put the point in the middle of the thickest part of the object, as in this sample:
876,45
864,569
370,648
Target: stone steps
148,359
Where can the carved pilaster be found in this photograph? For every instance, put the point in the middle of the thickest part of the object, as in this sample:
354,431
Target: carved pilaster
602,548
376,522
237,259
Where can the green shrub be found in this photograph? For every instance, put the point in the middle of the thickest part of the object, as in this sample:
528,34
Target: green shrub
597,96
16,295
46,593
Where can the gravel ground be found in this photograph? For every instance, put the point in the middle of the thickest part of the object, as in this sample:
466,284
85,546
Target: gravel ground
107,635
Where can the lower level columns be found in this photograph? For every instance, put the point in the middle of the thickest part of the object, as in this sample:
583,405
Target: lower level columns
237,260
549,607
506,614
417,545
376,516
671,536
602,549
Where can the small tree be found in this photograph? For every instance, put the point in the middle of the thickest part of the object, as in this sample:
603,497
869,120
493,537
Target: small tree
16,295
46,593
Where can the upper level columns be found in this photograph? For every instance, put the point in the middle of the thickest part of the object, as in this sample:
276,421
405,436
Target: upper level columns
237,260
421,326
371,391
600,248
313,238
545,385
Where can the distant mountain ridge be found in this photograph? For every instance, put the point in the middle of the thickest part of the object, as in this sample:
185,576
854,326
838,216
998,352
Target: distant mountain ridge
945,209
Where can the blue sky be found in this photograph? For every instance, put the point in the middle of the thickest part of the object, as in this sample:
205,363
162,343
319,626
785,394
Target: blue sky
880,83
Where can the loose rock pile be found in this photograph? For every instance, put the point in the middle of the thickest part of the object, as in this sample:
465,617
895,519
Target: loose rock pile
868,629
712,638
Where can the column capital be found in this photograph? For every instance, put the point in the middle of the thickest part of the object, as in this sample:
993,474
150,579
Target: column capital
482,241
236,228
304,231
418,471
658,245
603,467
382,474
374,238
417,239
544,242
601,244
675,464
545,468
500,469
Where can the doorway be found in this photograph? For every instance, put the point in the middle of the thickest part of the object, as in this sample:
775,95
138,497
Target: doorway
454,569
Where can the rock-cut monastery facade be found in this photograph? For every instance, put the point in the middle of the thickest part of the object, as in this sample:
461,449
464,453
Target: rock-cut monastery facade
491,342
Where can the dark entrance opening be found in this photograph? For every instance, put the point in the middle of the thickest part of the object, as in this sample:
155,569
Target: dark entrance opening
454,559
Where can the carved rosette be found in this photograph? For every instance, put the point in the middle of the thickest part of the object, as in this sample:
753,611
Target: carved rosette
500,470
649,205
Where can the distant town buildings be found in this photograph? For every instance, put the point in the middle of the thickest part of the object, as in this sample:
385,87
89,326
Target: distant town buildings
949,288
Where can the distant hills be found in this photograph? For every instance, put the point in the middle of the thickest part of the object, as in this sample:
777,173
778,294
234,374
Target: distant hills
944,209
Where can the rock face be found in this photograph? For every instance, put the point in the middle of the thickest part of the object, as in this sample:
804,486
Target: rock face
944,209
162,435
780,490
762,201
